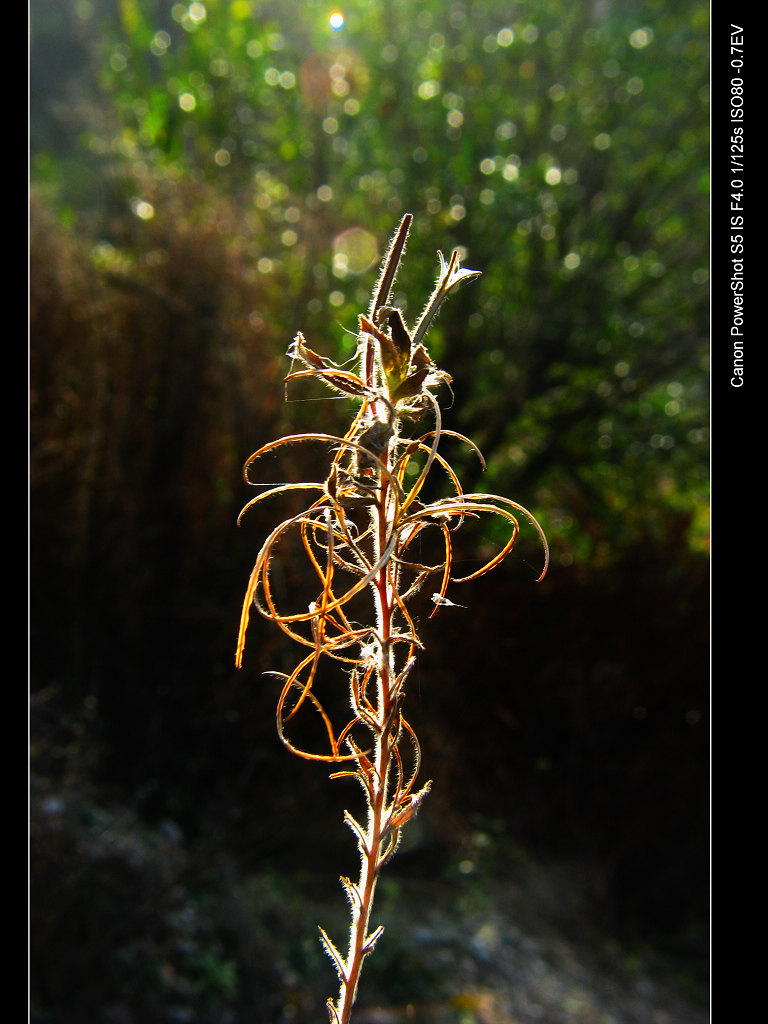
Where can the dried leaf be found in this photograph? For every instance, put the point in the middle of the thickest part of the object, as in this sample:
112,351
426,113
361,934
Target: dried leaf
391,264
401,339
411,386
411,807
370,942
298,349
387,348
338,380
362,839
353,894
334,954
332,1014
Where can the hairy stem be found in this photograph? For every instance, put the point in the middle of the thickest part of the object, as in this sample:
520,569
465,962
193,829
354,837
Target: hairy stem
371,856
359,943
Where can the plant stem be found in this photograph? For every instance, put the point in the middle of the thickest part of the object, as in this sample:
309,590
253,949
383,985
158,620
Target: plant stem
370,858
369,869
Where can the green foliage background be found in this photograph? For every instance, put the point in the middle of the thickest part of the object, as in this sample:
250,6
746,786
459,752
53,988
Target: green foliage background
563,146
209,178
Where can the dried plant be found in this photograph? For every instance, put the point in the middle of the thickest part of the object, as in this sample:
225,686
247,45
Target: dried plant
362,535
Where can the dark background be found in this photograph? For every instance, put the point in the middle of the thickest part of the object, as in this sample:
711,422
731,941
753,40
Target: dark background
206,181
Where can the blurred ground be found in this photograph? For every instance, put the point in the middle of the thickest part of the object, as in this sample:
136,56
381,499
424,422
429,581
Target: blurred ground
558,872
148,929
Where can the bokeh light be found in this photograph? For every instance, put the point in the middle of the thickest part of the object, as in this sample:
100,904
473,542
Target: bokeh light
336,21
354,251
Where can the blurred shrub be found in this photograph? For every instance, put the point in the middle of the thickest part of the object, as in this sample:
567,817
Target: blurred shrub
566,147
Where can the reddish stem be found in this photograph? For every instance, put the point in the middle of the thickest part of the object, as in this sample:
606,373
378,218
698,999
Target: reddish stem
369,866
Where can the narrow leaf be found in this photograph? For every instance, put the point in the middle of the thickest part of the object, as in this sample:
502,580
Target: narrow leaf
353,893
391,263
390,357
373,938
411,386
298,349
338,380
400,337
362,841
411,808
450,276
334,954
394,842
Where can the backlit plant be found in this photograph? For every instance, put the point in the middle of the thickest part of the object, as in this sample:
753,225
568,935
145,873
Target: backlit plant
363,533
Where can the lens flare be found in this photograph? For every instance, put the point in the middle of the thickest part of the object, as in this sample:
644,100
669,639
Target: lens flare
336,21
